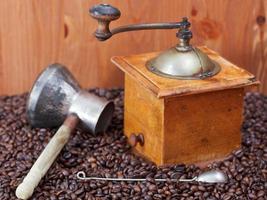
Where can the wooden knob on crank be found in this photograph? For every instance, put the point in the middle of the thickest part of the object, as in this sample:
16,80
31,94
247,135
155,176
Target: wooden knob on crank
104,14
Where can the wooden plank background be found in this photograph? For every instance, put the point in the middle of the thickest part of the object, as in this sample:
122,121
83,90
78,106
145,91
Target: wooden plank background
35,33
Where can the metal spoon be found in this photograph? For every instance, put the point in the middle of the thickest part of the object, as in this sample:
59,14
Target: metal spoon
212,176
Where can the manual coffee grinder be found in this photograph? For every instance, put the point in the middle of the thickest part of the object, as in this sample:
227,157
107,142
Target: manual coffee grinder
183,105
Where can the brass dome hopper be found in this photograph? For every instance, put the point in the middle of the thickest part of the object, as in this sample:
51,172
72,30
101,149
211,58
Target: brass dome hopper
182,61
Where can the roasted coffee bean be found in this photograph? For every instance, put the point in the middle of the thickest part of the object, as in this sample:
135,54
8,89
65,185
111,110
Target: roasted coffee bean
108,155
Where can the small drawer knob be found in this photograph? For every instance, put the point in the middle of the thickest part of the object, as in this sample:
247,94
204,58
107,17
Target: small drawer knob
134,139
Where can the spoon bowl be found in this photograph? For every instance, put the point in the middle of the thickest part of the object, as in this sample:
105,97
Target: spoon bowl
212,177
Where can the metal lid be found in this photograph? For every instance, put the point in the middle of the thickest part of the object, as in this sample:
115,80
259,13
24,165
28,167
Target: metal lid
178,64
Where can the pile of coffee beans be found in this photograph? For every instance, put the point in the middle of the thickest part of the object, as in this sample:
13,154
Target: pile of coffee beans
109,155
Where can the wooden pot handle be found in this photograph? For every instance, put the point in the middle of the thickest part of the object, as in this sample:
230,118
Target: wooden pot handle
47,157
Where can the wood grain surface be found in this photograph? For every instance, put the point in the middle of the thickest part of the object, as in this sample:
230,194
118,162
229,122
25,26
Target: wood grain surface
194,135
35,33
144,113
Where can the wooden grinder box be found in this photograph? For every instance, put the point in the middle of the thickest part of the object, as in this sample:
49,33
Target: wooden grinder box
184,121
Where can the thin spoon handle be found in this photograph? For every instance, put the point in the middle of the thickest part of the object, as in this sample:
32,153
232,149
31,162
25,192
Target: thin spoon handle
81,175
